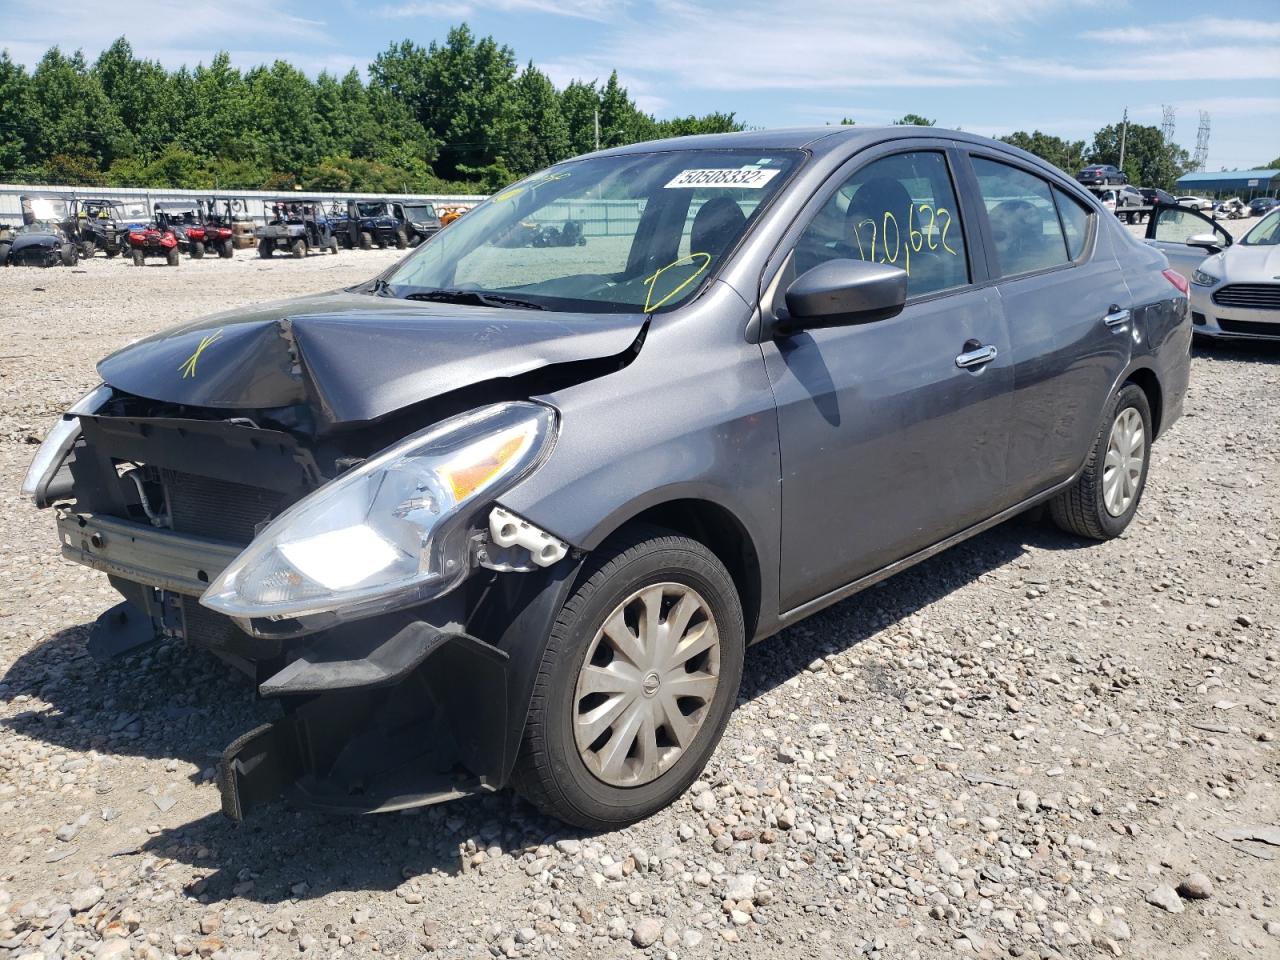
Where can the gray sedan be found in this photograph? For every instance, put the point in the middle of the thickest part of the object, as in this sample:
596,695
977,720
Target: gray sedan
1235,285
512,512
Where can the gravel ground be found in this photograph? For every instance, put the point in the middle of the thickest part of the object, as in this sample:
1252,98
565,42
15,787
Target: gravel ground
1028,746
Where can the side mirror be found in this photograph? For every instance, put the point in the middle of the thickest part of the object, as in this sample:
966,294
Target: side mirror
842,293
1208,241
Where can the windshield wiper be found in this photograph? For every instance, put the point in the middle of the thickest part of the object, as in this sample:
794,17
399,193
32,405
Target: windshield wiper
379,287
474,298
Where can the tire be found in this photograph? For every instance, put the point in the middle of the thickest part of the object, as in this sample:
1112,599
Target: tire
298,249
112,252
401,240
226,250
266,248
1083,509
333,245
415,240
139,258
551,772
366,240
173,257
4,254
70,254
87,249
197,250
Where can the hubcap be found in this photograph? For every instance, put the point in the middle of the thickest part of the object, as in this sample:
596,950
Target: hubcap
1122,469
646,685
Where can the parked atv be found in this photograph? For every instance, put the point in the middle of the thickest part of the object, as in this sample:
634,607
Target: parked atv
218,216
41,243
102,225
418,218
182,217
154,241
298,226
372,223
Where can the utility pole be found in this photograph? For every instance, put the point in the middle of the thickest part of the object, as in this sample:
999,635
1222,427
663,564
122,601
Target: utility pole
597,128
1124,135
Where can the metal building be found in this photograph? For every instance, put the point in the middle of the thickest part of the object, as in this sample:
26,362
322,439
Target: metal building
1245,184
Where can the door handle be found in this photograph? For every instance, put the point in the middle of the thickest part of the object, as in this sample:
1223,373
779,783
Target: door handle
976,358
1117,317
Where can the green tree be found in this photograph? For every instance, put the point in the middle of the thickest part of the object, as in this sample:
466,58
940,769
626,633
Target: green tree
1148,160
285,127
913,120
691,126
18,115
1066,155
145,98
579,103
540,133
221,122
74,116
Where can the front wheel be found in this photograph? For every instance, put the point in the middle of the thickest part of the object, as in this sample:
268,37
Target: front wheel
1100,504
86,250
139,258
226,251
637,681
266,248
173,257
197,250
333,245
299,249
401,240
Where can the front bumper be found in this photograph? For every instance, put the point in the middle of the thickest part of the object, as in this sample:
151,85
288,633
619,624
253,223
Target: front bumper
394,711
1208,319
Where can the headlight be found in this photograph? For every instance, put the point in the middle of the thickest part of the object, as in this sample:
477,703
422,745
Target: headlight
1203,279
58,443
391,532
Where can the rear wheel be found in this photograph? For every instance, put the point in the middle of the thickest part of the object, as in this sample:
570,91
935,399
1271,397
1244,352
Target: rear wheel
1102,502
173,257
299,249
266,248
70,254
197,250
139,258
86,249
636,684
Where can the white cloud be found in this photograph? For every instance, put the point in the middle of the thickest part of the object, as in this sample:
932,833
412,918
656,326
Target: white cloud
1197,63
1191,31
457,9
171,31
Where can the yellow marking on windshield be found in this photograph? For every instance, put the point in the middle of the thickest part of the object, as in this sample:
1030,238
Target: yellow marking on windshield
188,369
520,188
652,280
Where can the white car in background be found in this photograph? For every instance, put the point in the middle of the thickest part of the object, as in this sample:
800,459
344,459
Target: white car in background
1235,290
1196,203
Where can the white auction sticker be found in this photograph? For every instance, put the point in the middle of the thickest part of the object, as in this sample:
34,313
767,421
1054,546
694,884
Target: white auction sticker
742,179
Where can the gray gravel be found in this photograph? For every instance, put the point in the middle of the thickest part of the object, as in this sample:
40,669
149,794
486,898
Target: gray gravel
1026,747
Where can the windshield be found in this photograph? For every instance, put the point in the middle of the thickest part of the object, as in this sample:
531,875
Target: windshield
1266,232
371,209
40,226
419,211
631,233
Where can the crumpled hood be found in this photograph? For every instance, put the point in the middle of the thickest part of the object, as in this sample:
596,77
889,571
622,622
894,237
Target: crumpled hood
355,357
24,240
1253,263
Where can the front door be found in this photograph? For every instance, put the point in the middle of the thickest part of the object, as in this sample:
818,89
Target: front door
1170,228
892,433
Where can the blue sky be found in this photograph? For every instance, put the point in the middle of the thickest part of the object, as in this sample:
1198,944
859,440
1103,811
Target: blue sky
990,66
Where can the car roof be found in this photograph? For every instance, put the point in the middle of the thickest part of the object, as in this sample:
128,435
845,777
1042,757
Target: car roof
817,140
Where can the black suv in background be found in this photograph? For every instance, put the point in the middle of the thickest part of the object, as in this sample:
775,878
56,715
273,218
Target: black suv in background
1102,174
1153,195
1259,206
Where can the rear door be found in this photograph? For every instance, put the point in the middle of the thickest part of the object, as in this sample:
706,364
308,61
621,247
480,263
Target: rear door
1169,229
1067,309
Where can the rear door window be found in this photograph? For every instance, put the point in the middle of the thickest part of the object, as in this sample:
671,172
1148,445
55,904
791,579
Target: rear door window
1023,217
1075,222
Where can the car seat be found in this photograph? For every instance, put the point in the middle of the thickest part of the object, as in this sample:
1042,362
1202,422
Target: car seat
718,223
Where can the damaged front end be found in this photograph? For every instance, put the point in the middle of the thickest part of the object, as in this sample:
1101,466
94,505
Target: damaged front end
358,570
394,692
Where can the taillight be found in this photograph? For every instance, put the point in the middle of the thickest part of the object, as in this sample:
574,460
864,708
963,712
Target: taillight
1178,280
